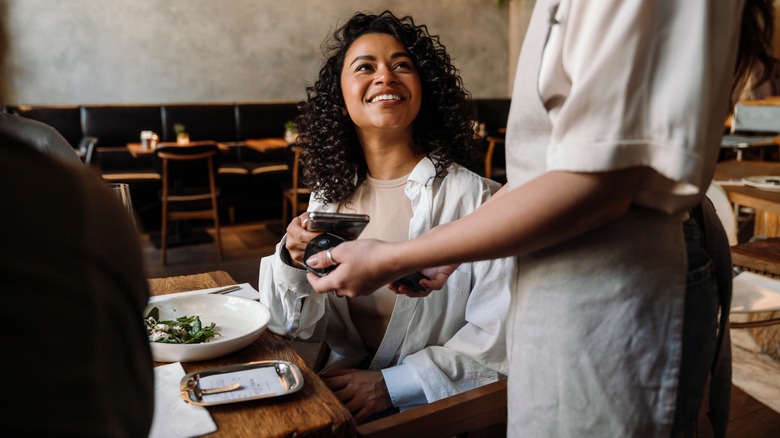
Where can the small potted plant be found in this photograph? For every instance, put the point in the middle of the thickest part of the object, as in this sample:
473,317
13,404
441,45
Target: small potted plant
182,137
290,133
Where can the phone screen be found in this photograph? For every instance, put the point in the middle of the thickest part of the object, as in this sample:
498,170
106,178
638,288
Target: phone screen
348,226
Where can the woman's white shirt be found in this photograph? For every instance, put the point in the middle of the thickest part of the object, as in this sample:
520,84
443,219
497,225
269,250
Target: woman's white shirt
451,341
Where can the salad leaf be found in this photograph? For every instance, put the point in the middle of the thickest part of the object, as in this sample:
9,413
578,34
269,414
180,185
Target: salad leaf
182,330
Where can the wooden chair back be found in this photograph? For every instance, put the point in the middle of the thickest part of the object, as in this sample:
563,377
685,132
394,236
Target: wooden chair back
188,181
498,174
476,412
295,198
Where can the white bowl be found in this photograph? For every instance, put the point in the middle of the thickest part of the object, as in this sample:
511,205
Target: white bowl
239,323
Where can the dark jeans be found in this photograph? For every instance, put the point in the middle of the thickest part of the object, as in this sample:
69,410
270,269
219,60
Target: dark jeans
706,346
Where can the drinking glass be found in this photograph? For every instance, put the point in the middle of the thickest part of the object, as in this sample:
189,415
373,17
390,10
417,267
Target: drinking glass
122,192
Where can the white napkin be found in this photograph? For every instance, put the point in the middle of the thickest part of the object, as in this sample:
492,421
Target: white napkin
246,291
173,417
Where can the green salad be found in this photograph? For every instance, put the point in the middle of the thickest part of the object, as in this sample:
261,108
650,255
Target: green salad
182,330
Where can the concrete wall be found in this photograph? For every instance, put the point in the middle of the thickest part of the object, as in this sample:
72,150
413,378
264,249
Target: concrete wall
158,51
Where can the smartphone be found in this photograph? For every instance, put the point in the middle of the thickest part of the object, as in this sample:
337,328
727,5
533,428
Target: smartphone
328,240
412,281
323,242
349,226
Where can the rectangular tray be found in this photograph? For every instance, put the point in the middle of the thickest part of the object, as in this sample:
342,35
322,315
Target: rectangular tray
258,380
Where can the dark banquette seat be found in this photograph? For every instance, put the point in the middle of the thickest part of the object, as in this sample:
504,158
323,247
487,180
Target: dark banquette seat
250,180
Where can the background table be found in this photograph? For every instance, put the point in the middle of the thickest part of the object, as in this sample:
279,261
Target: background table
266,144
312,411
765,202
137,150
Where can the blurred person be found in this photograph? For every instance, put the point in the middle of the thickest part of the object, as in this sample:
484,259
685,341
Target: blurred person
612,140
37,135
78,361
382,132
75,291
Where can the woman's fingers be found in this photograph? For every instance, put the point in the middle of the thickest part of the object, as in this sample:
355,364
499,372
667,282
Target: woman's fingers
298,236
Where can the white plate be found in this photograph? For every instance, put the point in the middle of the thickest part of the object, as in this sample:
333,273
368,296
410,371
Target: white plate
246,291
239,321
763,182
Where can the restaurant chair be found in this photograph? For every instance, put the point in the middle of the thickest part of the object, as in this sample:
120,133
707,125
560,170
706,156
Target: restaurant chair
493,171
753,127
233,180
294,197
478,412
86,149
189,190
755,304
755,301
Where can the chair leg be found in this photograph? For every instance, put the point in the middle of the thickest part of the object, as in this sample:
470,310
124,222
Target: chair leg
284,211
164,232
294,207
219,234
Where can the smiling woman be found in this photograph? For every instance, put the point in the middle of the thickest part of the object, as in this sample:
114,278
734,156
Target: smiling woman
406,61
381,87
381,131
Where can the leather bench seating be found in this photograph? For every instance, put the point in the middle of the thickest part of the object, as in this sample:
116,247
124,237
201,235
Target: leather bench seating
250,181
266,169
116,125
216,122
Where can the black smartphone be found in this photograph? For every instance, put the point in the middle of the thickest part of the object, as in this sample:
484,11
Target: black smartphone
412,281
349,226
323,242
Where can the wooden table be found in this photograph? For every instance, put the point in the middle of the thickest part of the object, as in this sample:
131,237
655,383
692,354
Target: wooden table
265,144
136,150
766,203
312,411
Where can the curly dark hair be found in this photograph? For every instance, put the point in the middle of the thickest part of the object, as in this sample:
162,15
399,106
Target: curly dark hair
332,158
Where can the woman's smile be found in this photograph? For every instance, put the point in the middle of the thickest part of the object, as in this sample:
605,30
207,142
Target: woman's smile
380,84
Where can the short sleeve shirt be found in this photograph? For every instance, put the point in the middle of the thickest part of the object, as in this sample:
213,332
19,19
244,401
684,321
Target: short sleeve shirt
622,84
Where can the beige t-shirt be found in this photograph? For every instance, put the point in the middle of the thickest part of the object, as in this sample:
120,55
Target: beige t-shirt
390,211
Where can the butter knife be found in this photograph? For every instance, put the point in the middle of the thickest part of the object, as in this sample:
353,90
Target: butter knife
225,290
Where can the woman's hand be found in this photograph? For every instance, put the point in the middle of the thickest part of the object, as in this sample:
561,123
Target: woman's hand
363,393
364,265
298,236
437,278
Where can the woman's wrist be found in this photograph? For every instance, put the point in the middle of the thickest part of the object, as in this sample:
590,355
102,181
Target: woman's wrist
284,254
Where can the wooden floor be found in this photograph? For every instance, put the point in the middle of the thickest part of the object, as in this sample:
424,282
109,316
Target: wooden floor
748,419
244,246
